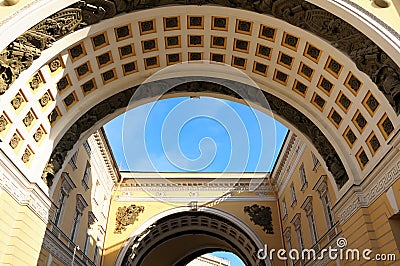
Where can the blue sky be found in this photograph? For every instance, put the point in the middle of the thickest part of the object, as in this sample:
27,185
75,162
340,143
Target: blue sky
201,134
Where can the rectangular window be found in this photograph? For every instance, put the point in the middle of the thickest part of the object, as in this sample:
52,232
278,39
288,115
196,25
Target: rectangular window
303,177
328,209
60,209
290,247
284,209
72,162
96,255
75,225
313,228
86,175
316,163
87,148
300,239
293,194
87,243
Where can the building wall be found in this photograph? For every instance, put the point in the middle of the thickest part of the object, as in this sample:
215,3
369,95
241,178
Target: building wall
95,192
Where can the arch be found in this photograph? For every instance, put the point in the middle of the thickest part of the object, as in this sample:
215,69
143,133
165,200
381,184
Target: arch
146,229
323,108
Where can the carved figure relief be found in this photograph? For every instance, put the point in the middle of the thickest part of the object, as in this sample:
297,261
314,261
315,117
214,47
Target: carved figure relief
126,216
260,215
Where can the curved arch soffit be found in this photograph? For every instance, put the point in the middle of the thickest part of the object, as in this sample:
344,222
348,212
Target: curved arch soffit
144,226
275,85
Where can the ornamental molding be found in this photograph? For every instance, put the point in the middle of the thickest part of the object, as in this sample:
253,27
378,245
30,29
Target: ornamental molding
184,199
307,205
296,221
24,194
365,53
291,167
364,197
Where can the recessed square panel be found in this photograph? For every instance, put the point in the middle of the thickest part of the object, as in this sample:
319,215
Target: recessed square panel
318,101
306,71
39,134
29,119
241,45
172,23
16,141
218,42
385,126
109,76
147,26
239,62
27,156
353,83
54,116
219,23
83,70
263,51
130,68
220,58
89,86
300,88
149,45
70,100
195,56
350,137
370,103
126,51
123,32
281,77
285,60
36,81
260,68
244,26
359,121
325,85
343,102
18,101
373,143
56,64
290,41
46,99
174,58
63,84
77,52
362,158
104,59
267,33
151,62
99,41
335,118
173,42
195,40
312,52
333,67
5,123
195,22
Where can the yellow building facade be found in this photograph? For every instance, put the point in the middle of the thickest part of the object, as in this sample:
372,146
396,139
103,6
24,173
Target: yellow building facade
328,70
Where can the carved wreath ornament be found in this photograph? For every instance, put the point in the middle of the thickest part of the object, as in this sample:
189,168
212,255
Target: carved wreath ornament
260,215
126,216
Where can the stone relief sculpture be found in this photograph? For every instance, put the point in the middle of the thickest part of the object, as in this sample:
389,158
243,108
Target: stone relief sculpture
260,215
365,53
126,216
